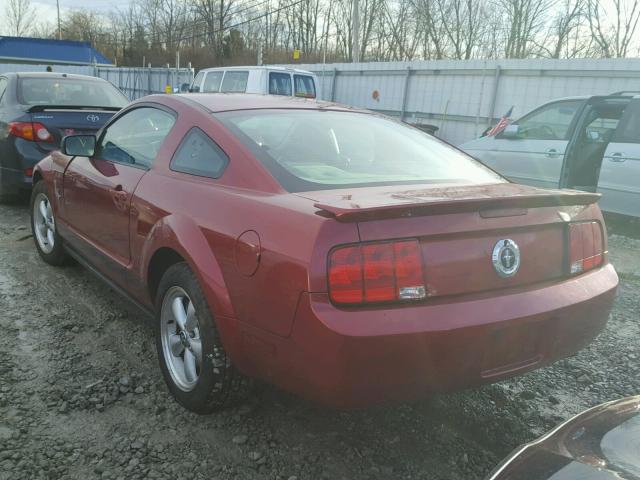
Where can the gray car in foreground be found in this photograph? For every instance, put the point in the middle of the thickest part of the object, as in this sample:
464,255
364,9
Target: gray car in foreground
584,143
602,443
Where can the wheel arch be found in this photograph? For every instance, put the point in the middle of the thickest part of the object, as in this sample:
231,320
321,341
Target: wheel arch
37,176
178,238
162,259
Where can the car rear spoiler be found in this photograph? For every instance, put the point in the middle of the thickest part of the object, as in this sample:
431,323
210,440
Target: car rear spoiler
439,206
44,108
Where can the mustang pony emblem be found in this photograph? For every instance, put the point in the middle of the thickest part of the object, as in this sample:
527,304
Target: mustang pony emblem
506,258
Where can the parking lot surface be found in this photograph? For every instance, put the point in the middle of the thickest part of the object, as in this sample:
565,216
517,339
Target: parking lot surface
81,395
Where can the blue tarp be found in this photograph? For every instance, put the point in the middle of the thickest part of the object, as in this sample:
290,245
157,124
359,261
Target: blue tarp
42,50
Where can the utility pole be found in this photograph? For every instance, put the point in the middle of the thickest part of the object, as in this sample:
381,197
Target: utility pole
59,28
355,20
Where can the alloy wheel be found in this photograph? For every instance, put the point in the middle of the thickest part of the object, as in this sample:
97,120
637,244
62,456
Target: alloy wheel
180,335
44,223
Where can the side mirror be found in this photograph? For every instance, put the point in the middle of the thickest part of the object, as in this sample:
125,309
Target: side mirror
184,88
79,145
510,131
194,89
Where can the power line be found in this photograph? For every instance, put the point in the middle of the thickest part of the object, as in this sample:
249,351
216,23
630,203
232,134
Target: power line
220,30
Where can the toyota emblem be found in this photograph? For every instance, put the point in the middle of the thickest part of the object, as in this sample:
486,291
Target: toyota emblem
93,118
506,258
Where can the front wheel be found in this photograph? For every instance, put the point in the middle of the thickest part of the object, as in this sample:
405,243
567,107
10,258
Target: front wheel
43,226
195,366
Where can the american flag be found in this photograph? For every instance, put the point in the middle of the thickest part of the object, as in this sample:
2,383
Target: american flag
504,121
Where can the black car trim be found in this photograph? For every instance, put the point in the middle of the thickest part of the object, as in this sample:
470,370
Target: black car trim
48,107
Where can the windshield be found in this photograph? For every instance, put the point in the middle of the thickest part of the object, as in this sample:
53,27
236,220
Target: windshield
315,150
69,92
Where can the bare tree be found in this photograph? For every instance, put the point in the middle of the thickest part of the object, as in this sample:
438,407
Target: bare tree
524,20
614,37
216,16
215,32
20,17
565,37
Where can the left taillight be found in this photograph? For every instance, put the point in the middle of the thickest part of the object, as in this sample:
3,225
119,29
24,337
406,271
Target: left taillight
376,272
34,132
586,247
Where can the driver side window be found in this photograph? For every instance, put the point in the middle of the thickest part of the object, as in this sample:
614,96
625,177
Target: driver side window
136,137
550,122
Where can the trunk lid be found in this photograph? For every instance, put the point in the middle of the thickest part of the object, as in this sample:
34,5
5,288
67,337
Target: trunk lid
62,121
459,228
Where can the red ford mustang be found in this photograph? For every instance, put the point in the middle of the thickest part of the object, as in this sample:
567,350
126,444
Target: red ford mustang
336,253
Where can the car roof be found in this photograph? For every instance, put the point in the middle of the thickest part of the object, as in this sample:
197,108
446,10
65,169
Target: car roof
224,102
574,97
54,75
259,67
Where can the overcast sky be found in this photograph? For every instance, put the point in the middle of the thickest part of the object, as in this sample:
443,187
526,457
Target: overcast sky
46,9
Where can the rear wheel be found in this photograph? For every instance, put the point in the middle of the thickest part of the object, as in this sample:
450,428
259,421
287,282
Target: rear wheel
195,366
43,226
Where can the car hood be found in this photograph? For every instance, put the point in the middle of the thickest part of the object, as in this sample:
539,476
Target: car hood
408,200
599,444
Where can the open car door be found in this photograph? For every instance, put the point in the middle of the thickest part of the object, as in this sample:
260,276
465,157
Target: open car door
620,173
595,131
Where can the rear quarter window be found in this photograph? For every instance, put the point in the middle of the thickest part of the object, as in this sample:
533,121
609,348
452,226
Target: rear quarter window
305,86
199,155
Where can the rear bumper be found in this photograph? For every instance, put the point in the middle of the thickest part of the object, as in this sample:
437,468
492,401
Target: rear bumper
20,155
360,357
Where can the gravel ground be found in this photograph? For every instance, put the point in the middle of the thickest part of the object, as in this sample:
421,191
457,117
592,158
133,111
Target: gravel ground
81,395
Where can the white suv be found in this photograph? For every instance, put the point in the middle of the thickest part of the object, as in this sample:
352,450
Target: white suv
586,143
266,80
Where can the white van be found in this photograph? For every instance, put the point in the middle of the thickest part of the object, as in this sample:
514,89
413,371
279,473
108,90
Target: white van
266,80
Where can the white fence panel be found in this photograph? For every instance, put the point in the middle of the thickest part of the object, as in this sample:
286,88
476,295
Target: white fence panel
24,67
463,97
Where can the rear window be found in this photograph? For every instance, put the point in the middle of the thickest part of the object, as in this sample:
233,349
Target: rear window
235,82
69,92
320,150
305,87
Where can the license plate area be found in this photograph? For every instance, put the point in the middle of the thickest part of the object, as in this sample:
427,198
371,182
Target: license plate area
512,349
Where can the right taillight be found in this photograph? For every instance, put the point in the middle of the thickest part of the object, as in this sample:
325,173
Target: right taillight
585,247
376,272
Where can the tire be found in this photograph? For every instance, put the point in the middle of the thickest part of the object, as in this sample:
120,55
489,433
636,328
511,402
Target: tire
204,382
48,242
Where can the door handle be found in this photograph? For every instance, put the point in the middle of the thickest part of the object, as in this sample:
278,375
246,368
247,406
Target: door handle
552,152
617,157
118,188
